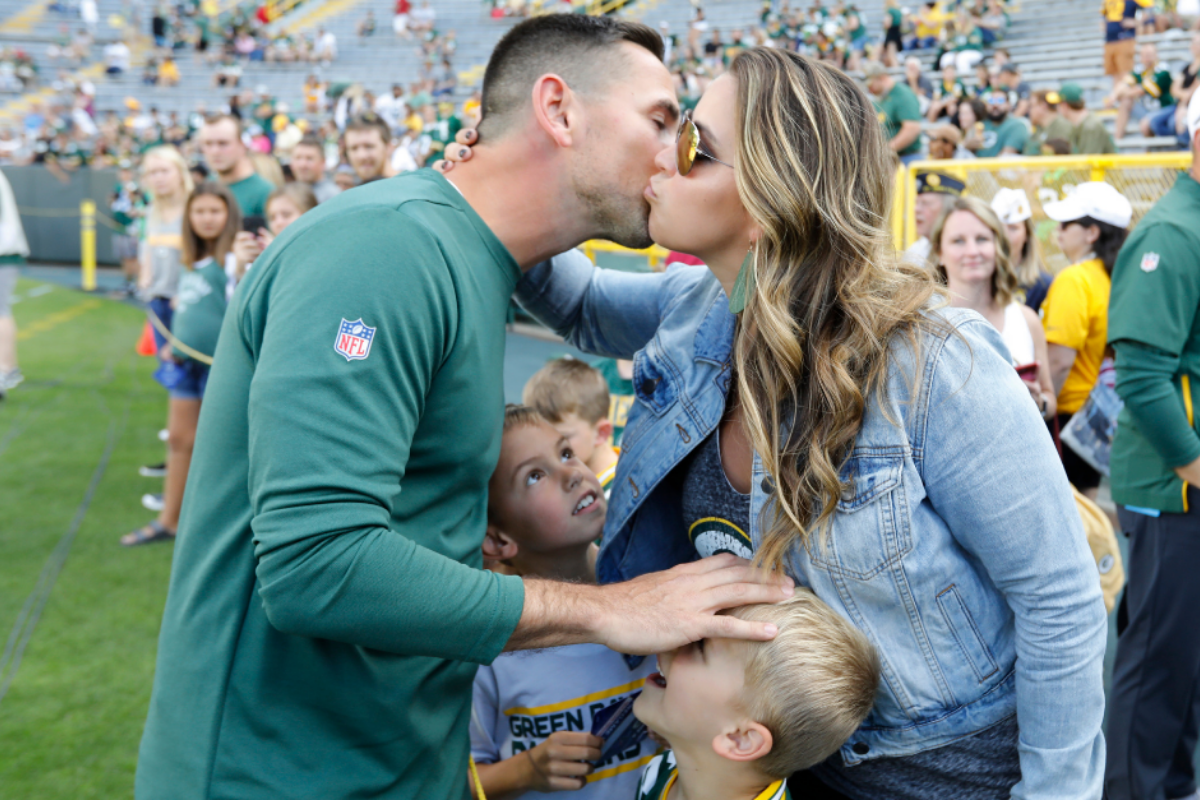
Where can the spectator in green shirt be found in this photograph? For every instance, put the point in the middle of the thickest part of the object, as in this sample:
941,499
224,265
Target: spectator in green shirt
899,111
1047,122
327,610
1143,92
225,153
1154,329
1003,135
1088,134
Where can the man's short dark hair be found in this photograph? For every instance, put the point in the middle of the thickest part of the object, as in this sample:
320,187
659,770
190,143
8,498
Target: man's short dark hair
370,122
309,140
564,44
215,119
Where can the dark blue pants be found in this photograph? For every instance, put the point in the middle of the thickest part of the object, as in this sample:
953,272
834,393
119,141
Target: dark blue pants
1154,710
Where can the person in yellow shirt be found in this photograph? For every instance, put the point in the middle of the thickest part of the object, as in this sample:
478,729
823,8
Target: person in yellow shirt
930,22
1093,223
168,72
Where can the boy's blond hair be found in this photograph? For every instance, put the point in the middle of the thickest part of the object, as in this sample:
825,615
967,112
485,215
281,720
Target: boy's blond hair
568,386
811,686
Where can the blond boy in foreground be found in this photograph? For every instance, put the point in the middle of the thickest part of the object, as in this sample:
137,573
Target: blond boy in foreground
573,396
741,717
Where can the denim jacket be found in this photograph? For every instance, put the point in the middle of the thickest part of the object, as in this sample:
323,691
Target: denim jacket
958,549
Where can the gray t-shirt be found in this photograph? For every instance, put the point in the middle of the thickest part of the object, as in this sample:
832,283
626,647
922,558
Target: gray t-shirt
325,189
162,247
523,697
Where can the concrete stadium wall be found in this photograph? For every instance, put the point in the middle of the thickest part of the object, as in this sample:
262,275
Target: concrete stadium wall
50,211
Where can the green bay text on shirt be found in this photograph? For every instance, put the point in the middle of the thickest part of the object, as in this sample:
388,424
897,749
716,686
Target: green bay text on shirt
327,610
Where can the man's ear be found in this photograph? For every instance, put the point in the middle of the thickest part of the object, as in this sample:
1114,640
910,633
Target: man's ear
749,741
554,108
603,432
498,545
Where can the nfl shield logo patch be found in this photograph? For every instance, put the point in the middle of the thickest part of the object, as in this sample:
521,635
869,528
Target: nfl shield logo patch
354,339
1149,262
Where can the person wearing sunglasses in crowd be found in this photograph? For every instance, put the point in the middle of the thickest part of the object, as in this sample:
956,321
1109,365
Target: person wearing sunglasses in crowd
867,440
1003,135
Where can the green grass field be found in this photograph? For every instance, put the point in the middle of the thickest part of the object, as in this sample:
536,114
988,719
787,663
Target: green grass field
74,687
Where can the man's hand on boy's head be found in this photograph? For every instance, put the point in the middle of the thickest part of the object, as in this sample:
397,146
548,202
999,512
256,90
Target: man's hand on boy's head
560,763
663,610
652,613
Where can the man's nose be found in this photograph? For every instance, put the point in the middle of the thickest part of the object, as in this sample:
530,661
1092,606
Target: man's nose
665,159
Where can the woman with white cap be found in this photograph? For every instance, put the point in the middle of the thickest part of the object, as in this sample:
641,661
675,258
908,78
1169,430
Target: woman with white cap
969,253
1013,209
1093,223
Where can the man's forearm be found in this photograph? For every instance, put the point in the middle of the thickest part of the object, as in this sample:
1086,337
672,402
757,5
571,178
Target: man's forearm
556,614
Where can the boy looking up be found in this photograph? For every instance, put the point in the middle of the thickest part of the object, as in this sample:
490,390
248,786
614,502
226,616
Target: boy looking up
533,712
573,397
742,717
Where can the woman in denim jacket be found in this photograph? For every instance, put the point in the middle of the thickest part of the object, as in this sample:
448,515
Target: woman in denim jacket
841,427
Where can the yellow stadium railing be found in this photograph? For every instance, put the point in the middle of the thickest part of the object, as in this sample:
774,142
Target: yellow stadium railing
1141,178
654,255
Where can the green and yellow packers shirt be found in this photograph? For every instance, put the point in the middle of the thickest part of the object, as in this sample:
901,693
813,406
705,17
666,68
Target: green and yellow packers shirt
327,610
717,515
620,395
895,108
661,773
523,698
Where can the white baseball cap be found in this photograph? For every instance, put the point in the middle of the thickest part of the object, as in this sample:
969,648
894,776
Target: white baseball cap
1097,200
1011,206
1193,115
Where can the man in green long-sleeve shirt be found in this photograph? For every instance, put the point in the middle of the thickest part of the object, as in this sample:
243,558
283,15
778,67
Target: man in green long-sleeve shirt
1154,328
327,611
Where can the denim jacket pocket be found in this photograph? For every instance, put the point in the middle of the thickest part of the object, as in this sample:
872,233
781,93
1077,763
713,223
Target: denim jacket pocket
966,633
870,532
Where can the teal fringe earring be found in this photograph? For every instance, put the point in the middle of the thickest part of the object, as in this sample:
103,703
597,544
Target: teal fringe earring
744,284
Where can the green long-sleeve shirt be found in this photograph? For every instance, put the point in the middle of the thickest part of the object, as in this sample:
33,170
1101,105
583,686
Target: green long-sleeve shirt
327,611
1154,328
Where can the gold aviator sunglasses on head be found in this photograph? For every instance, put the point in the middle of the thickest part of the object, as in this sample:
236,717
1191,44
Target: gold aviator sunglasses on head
688,146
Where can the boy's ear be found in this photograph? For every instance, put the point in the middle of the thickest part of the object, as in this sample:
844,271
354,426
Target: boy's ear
498,545
750,741
603,432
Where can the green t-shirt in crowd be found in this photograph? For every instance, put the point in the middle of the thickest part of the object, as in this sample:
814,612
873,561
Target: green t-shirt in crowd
1156,84
1059,128
1154,328
620,396
327,607
1090,137
896,107
895,17
199,307
997,136
251,195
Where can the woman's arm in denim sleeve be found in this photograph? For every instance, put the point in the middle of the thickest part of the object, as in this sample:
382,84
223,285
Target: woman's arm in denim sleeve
1145,381
602,311
991,472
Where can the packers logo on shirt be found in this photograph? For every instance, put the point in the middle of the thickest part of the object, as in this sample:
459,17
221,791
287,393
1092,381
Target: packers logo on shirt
713,535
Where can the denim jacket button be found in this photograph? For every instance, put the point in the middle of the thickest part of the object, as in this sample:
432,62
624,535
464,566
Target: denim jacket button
768,486
862,748
648,386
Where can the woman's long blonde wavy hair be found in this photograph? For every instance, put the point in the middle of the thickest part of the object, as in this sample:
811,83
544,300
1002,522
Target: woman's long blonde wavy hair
829,292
